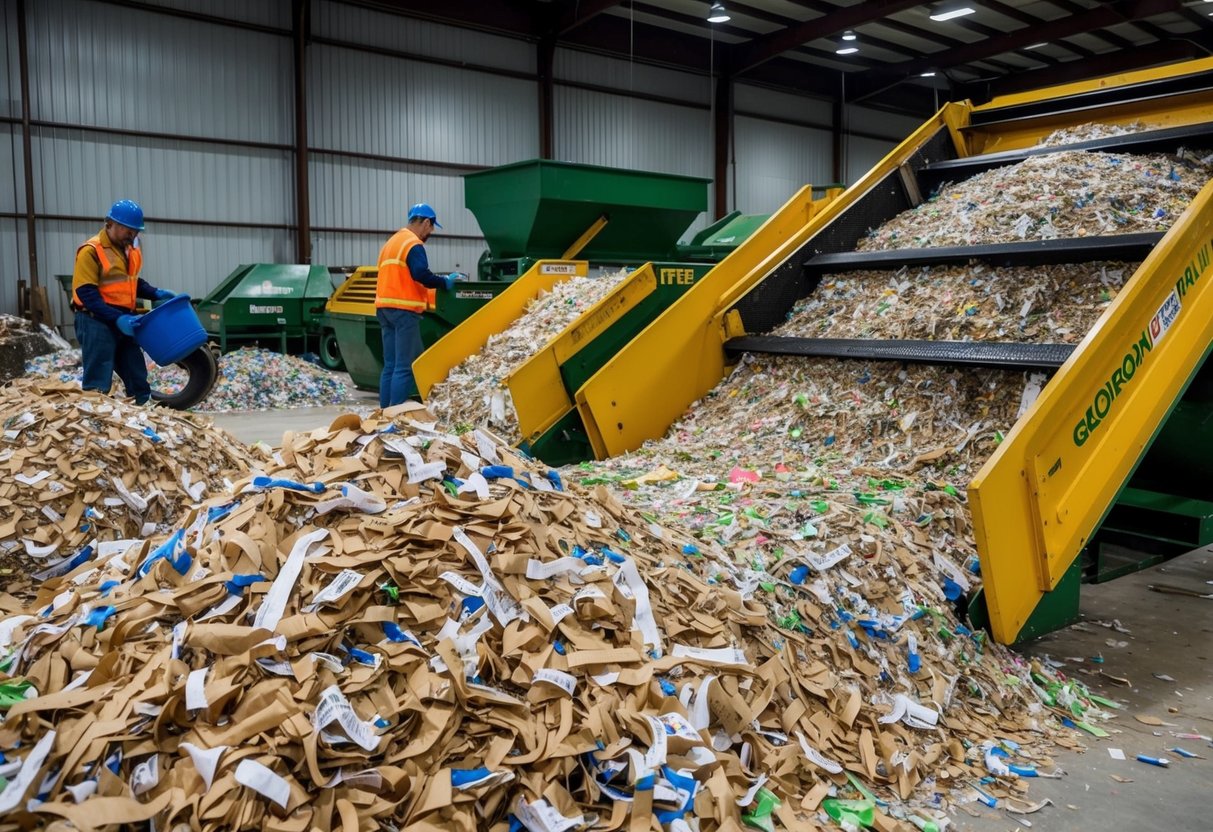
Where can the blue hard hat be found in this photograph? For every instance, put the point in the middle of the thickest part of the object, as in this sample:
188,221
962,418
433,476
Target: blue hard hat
425,212
127,212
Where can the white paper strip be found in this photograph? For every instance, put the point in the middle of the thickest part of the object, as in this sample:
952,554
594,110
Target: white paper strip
30,766
565,681
195,689
337,588
206,760
263,781
334,706
274,603
718,655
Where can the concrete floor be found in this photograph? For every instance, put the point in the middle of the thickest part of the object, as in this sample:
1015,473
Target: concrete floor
1168,635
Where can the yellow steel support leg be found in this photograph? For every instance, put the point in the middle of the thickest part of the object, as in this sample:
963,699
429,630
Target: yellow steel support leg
584,240
1045,490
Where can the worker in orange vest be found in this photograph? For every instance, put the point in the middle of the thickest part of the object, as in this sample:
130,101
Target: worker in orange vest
405,289
105,286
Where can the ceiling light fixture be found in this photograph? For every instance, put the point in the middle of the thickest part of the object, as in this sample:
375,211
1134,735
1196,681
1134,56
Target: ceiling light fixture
930,74
949,12
849,35
717,14
1037,45
847,50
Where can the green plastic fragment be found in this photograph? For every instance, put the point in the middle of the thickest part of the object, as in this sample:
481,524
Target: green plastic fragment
870,499
13,691
1093,730
860,787
1107,703
392,591
819,506
859,813
765,803
768,586
876,519
951,489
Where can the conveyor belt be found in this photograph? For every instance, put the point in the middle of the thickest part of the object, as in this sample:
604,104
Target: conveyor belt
1152,141
1003,356
1127,247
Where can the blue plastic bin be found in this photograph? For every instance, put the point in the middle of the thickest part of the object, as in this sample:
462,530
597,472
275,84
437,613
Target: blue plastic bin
171,331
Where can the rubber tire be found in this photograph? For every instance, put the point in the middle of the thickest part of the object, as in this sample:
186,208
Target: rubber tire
330,351
203,370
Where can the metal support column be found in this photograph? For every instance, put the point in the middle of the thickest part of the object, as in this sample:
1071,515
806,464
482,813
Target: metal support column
300,26
26,147
722,119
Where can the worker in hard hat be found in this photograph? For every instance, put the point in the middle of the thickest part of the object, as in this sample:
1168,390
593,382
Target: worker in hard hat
105,286
405,289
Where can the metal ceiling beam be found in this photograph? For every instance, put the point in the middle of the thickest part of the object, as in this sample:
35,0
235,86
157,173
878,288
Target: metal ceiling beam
749,55
573,14
1106,64
507,18
1109,14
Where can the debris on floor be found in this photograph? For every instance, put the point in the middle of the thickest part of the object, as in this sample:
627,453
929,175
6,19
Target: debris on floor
390,624
82,470
1067,194
250,378
21,340
473,392
1090,132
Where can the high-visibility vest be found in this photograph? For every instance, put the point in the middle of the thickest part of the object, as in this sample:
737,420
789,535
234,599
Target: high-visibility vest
395,287
118,281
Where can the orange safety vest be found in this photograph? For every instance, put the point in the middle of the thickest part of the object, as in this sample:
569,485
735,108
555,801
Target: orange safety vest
118,281
395,287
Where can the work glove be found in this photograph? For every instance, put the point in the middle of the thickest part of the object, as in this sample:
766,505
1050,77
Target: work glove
164,294
126,324
449,280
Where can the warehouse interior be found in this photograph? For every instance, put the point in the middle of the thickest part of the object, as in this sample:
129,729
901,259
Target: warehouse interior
808,426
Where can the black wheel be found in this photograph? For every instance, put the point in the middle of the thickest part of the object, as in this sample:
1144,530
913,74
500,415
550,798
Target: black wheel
330,351
203,370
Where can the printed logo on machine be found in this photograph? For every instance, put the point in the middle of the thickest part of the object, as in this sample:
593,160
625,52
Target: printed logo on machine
268,288
255,309
475,294
1164,317
558,268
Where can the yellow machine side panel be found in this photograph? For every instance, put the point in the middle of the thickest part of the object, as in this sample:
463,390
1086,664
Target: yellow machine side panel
356,296
537,388
679,357
467,339
1155,113
1037,500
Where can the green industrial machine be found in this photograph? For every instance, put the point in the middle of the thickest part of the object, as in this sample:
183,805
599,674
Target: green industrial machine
279,303
537,210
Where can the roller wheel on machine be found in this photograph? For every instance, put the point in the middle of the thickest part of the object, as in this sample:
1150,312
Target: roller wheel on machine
203,370
330,351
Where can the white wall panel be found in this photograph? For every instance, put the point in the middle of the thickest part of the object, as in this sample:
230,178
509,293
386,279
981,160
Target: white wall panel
862,154
110,66
12,181
275,13
625,76
394,107
10,65
185,258
420,37
762,101
445,255
774,160
881,123
361,194
79,174
601,129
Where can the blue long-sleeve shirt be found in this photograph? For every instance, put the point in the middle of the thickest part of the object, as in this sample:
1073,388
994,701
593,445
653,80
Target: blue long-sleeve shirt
419,268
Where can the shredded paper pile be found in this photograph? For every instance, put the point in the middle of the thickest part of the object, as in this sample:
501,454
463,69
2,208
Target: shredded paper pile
80,468
394,627
21,340
473,392
250,378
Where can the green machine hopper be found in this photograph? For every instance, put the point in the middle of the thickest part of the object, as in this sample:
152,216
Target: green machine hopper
269,302
530,211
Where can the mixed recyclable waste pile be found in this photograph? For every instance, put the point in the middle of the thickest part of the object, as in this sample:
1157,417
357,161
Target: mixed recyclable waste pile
472,392
250,378
81,470
21,340
389,626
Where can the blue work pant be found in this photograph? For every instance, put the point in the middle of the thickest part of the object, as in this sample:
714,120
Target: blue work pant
401,346
106,351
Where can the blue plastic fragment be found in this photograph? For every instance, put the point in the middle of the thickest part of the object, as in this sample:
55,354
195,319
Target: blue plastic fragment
382,723
613,557
114,761
165,551
262,482
152,435
554,479
951,589
852,639
107,586
559,646
690,549
362,656
393,632
799,575
1023,771
97,617
496,472
470,604
667,687
464,777
238,582
829,440
623,535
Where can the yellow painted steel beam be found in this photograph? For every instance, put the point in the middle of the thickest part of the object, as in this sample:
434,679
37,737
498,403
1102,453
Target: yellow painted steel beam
537,387
585,238
679,357
1155,113
467,339
1045,490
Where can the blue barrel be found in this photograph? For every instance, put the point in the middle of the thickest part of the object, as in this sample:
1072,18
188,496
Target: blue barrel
171,331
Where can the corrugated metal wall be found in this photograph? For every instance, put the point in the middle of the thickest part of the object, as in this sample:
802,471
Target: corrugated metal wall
197,122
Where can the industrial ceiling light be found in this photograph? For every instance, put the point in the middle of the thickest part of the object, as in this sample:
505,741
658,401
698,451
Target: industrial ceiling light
717,14
1036,45
949,11
849,35
928,74
846,50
